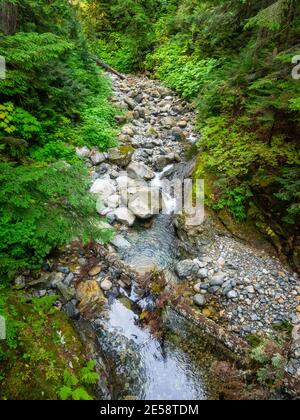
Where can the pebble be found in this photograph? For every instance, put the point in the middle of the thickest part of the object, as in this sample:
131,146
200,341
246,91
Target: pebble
95,271
199,300
106,285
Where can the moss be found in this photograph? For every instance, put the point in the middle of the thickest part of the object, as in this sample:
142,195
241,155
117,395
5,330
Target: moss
42,343
126,150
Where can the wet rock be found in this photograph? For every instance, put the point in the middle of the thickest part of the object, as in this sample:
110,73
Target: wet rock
138,170
125,216
71,311
91,298
145,202
161,162
64,270
187,268
199,300
120,242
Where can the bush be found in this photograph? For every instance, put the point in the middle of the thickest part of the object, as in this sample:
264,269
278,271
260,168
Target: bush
54,151
41,209
181,71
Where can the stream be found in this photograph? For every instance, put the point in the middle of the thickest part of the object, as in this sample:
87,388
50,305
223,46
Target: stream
175,362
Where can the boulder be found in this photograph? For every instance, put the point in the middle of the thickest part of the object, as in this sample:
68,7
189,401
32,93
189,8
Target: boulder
125,216
161,162
232,294
168,122
187,268
130,102
91,298
138,170
178,134
97,157
71,311
121,156
83,152
105,187
145,202
113,201
203,273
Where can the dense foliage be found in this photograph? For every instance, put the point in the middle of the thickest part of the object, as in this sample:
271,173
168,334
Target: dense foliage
40,343
234,60
53,99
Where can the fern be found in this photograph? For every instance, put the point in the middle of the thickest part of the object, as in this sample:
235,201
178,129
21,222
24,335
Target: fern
73,389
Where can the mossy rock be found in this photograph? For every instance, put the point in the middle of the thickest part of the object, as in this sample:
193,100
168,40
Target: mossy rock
41,344
121,156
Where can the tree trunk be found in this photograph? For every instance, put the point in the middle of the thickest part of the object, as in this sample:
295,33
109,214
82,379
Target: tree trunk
108,68
8,18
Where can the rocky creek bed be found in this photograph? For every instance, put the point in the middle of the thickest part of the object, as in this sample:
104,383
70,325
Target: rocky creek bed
218,284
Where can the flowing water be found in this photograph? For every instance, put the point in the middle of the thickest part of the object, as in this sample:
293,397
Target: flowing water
176,363
145,367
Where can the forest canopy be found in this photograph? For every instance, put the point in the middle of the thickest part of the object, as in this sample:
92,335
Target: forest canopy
234,60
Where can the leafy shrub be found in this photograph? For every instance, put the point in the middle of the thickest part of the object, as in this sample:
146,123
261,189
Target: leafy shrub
181,71
268,355
41,209
98,123
54,151
116,50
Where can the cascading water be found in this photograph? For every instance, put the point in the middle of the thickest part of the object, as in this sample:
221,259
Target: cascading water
142,365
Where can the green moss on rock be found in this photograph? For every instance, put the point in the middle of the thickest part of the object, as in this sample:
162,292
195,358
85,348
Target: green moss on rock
41,344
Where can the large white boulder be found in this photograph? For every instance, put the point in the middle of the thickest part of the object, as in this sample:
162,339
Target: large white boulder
125,216
105,187
145,202
113,201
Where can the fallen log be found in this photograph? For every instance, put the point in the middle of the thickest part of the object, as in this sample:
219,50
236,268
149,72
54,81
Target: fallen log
108,68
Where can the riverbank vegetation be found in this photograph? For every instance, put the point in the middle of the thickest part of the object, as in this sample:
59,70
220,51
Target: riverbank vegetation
233,59
53,99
